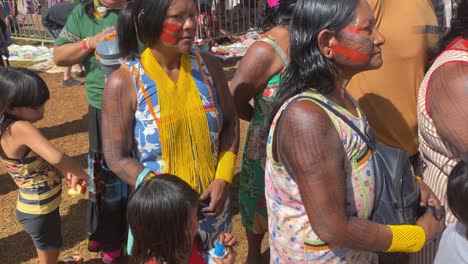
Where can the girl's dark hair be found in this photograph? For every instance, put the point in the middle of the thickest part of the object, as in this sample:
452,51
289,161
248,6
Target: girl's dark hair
280,14
457,191
88,6
458,28
158,214
143,20
308,67
24,88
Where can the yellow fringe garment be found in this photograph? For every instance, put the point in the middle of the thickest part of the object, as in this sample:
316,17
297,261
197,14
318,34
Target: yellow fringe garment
184,131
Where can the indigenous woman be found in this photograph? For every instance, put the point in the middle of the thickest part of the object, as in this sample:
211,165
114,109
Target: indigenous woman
319,174
169,109
257,77
91,22
443,112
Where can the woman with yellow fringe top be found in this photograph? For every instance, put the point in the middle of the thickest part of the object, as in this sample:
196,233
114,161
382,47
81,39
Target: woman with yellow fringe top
169,110
319,174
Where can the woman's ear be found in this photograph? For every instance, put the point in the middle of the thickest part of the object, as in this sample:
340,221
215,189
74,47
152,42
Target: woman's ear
325,39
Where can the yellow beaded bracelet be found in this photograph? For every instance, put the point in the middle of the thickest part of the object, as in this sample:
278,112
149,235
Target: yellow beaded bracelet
407,238
226,165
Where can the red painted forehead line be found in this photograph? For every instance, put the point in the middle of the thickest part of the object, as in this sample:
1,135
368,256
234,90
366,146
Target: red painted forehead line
353,29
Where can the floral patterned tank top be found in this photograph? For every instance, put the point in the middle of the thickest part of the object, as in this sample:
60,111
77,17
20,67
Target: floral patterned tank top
292,238
147,144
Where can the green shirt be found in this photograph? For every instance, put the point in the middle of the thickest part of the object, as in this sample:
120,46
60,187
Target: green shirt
78,27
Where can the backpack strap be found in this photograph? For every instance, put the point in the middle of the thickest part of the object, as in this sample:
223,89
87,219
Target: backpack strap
366,139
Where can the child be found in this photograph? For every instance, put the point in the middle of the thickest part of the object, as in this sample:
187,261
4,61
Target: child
163,214
453,247
34,164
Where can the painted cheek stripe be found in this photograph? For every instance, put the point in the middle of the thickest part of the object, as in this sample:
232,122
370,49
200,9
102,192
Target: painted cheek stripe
352,29
350,54
173,27
169,38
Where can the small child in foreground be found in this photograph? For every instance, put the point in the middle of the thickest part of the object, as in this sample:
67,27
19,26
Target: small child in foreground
163,214
34,163
453,247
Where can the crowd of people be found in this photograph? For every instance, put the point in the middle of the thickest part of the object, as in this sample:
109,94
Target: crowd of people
164,134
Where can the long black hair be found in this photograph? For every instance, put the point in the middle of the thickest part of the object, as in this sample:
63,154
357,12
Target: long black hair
308,67
143,20
280,14
457,191
24,88
458,28
88,6
158,214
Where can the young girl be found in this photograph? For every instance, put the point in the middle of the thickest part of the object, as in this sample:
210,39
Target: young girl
453,247
34,164
163,214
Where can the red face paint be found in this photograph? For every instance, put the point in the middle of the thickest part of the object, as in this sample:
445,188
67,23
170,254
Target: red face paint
350,53
171,32
173,27
352,29
169,38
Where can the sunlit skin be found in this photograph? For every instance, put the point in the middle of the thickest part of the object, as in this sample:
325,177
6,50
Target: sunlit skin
446,102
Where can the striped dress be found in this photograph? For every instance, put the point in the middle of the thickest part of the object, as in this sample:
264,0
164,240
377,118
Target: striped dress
439,157
39,183
292,238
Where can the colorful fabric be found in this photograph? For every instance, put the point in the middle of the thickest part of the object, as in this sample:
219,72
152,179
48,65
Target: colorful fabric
39,183
252,175
147,146
292,239
196,257
182,127
439,156
107,202
78,27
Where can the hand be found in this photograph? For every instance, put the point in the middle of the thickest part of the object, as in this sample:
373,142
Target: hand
227,239
428,198
98,38
74,180
229,259
216,191
432,227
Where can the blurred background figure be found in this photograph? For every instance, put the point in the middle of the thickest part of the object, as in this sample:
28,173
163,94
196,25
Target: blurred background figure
54,20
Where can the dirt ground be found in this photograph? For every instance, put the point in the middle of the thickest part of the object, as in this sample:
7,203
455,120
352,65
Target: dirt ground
65,124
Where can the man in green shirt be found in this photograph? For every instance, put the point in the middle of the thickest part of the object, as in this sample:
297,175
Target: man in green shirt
91,22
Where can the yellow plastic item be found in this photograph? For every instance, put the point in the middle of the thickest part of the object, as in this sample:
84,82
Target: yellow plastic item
75,193
407,238
226,165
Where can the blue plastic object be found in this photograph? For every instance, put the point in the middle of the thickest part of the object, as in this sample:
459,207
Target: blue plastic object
219,249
